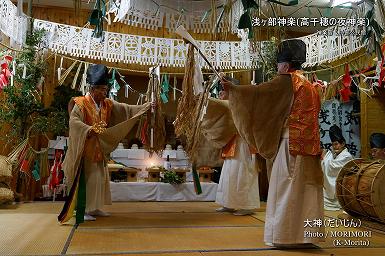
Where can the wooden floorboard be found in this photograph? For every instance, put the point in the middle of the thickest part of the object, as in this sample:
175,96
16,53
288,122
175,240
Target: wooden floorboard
155,228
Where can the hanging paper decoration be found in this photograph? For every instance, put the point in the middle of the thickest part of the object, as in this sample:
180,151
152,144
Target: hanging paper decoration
5,73
114,85
373,31
24,70
83,84
245,19
35,172
123,9
126,90
164,88
59,70
174,88
97,16
13,71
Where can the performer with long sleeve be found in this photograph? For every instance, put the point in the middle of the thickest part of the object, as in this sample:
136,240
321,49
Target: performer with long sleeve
280,119
238,190
96,126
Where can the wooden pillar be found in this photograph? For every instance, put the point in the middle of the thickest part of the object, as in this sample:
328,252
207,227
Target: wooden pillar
372,118
29,14
244,77
364,126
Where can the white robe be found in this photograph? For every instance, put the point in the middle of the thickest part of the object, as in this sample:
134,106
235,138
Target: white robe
331,167
238,185
294,198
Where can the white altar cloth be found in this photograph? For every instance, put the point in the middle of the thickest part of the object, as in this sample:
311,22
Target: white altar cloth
159,191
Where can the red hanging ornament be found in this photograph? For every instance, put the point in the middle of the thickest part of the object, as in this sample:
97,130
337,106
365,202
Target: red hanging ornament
24,166
3,81
346,79
5,73
345,94
55,170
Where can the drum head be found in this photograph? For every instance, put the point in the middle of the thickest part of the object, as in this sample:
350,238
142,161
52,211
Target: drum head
378,191
360,188
346,187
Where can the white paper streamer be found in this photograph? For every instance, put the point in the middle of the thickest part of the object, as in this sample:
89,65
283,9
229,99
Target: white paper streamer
13,73
123,9
83,85
60,69
24,70
175,85
14,68
126,90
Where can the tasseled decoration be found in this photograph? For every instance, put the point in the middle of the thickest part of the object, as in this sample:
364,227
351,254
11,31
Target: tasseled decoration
152,129
189,108
183,124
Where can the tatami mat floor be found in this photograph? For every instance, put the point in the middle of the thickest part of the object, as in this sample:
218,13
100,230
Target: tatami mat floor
153,228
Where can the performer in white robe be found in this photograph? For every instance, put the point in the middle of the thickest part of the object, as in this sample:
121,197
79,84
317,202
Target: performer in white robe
332,163
238,184
238,189
280,119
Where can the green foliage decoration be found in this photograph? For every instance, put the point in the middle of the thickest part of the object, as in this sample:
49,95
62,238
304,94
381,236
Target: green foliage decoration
171,177
21,105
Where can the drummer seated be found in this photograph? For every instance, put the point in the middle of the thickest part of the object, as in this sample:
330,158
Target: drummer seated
332,162
377,146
